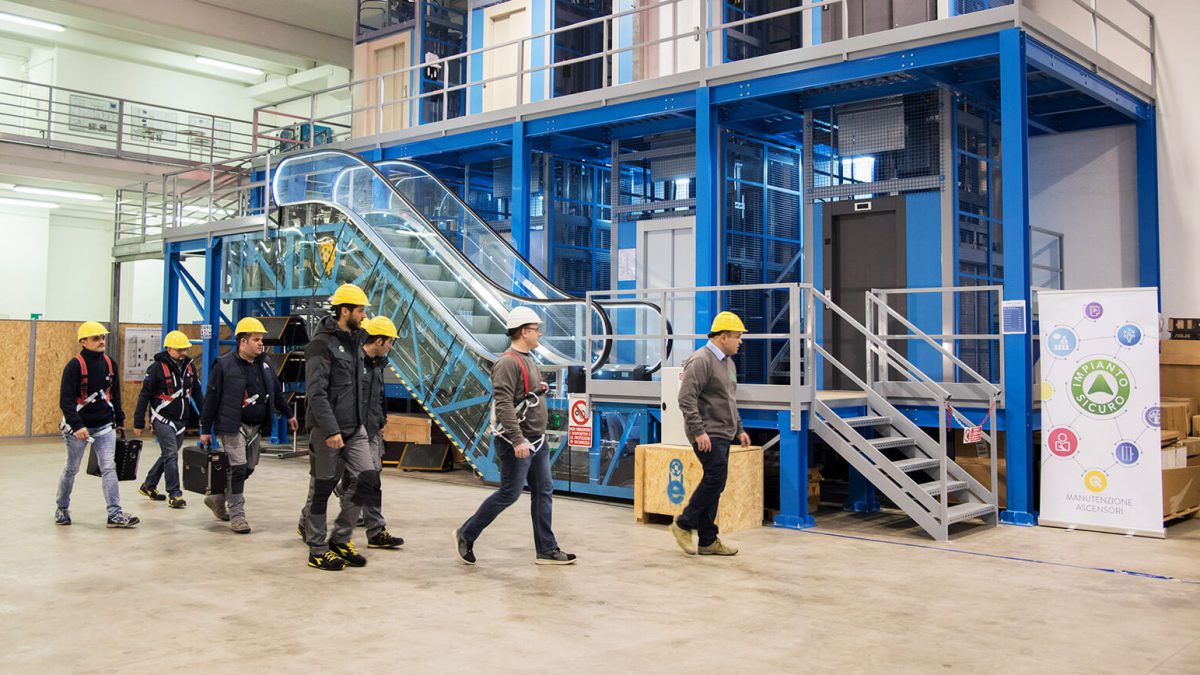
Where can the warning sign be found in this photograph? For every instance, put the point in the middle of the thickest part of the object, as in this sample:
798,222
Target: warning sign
579,422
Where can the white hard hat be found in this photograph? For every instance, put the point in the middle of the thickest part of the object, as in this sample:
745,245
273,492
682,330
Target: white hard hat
521,316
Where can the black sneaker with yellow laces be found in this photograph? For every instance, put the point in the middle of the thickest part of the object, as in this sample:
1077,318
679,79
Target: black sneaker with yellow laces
326,561
348,553
385,540
152,493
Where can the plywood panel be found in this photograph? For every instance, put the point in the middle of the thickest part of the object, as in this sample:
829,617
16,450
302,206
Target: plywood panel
56,344
14,380
741,503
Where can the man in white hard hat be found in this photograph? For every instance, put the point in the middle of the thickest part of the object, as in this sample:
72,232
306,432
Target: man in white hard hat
708,401
519,413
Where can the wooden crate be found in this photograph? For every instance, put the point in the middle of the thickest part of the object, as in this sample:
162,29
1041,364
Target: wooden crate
408,428
1181,492
655,491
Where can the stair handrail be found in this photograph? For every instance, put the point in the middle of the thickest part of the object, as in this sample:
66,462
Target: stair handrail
873,299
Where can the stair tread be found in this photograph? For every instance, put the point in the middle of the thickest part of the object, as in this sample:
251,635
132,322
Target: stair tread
915,464
934,487
969,510
887,442
867,421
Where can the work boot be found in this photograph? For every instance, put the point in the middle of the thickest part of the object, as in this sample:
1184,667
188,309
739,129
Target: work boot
718,547
555,557
176,502
326,561
62,517
123,520
216,503
385,540
152,493
240,525
348,553
683,538
465,548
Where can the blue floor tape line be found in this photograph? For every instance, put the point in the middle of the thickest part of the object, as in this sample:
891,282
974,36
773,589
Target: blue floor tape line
1109,570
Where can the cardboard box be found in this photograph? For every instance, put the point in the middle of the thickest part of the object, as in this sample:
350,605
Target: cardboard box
1196,425
403,428
1181,492
1168,458
1192,443
1192,404
1179,368
980,470
1175,418
1169,438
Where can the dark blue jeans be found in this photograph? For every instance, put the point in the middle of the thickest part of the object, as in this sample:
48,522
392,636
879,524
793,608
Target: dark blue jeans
168,460
701,512
514,473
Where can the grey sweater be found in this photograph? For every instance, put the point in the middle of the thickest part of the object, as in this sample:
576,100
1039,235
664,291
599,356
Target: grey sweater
708,396
508,389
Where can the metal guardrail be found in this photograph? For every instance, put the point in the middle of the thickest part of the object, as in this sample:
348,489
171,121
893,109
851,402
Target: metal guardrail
81,121
391,101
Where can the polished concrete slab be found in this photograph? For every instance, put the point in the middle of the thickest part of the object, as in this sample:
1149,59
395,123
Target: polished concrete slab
856,594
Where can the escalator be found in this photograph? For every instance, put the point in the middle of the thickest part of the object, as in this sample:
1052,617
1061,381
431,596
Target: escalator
493,255
449,313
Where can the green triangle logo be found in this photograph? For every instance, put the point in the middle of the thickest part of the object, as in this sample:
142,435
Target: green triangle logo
1100,386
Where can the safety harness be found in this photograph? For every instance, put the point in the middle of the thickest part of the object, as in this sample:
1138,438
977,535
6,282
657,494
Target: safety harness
84,399
530,399
167,399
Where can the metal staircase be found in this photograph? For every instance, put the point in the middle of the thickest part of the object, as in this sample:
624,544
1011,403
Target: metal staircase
899,458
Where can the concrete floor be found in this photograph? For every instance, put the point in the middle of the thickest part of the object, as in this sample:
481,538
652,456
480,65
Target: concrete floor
856,594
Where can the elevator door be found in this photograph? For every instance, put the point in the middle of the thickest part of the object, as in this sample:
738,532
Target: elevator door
864,249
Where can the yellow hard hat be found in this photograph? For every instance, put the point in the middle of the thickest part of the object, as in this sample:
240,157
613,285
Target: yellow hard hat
249,325
727,321
348,294
381,325
89,329
177,340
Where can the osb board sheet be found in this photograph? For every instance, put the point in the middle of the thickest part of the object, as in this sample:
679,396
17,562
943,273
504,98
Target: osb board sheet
654,484
14,376
56,344
1181,490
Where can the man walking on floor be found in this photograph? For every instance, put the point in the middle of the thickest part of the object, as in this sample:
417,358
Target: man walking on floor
242,390
708,400
381,333
170,390
519,413
90,398
334,377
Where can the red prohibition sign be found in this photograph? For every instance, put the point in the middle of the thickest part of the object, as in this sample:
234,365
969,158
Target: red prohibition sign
579,413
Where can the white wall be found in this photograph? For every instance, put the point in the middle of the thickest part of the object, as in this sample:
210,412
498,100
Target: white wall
78,269
1178,24
142,291
25,233
1083,185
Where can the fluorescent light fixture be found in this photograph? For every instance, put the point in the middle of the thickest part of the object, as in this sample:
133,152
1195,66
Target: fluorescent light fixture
33,23
28,203
65,194
215,63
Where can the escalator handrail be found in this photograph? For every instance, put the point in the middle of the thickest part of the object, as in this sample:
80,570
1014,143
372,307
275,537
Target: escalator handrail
367,230
467,207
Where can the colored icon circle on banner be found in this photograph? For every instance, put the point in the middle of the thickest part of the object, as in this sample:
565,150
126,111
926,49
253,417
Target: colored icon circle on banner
1129,335
1100,386
1047,391
1152,416
1126,453
1093,310
1062,442
1095,481
1062,342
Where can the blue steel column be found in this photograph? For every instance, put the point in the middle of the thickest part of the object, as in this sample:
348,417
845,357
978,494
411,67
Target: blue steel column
793,473
708,184
520,190
1147,201
170,317
1018,349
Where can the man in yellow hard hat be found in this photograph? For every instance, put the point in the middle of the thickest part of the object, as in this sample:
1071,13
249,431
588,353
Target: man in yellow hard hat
238,403
381,334
170,390
90,398
708,401
334,375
